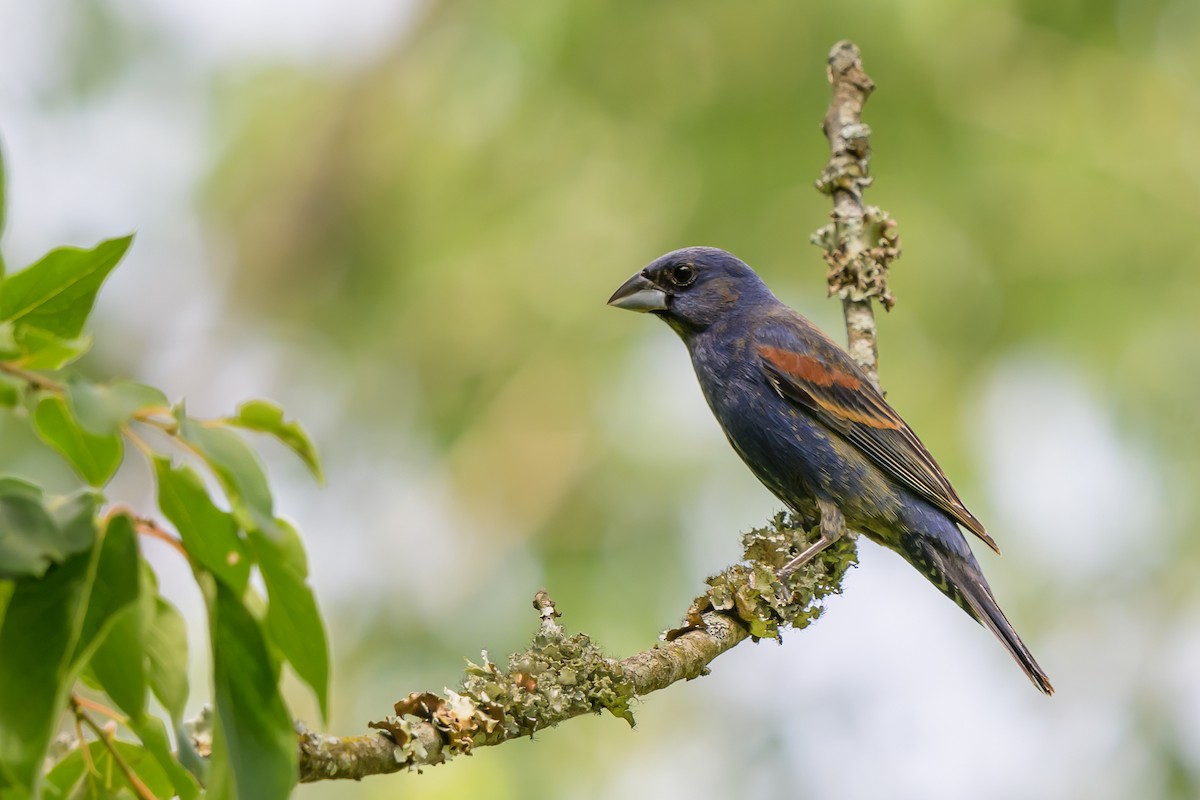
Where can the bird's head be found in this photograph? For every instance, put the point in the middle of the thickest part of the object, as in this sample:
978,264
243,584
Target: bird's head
692,288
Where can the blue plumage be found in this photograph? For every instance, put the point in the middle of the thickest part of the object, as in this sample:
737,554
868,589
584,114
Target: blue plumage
809,424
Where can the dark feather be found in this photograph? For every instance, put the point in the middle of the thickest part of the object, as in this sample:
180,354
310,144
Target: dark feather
822,380
960,580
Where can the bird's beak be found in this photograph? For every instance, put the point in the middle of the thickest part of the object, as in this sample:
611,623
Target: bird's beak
639,294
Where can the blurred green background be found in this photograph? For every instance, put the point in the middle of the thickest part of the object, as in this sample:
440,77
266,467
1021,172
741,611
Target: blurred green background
402,221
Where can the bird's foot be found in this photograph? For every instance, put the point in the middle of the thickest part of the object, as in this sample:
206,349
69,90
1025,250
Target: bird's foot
833,527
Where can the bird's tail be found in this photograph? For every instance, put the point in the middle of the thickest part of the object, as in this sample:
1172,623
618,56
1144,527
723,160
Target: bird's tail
960,579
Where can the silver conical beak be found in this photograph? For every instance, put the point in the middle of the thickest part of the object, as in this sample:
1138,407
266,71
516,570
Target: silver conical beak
639,294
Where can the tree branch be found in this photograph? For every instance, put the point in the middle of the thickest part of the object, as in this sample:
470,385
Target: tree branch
861,242
561,676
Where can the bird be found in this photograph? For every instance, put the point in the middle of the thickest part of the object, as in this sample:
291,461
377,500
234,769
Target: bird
813,428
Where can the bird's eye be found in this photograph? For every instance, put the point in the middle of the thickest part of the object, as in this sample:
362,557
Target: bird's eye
682,275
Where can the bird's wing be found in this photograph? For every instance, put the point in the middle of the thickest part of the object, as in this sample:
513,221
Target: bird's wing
808,369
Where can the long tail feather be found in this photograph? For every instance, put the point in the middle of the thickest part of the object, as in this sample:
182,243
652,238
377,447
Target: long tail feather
962,581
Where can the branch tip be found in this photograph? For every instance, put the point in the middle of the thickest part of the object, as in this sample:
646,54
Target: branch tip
548,612
861,242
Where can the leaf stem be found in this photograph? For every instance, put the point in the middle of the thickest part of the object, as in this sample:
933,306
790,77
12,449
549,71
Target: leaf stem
150,529
146,527
153,418
84,748
140,788
32,378
100,708
138,441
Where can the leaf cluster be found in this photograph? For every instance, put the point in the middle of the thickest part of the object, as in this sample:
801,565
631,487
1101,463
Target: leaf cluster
84,628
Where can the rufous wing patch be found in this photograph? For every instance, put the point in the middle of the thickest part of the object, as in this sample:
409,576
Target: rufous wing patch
806,371
857,412
806,368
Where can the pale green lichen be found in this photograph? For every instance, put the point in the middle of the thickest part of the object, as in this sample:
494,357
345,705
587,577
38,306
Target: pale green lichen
859,253
558,677
561,676
753,592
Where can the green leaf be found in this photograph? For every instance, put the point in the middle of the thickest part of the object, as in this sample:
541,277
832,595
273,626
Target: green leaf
209,534
293,620
56,294
267,417
69,775
10,392
36,639
75,516
19,487
8,341
237,469
119,663
102,409
114,585
167,653
32,537
253,719
41,349
219,784
154,737
96,458
50,629
29,539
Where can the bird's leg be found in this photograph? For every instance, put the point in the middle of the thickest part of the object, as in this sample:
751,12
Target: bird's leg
833,527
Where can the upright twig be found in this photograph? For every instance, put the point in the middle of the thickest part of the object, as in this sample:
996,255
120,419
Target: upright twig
861,241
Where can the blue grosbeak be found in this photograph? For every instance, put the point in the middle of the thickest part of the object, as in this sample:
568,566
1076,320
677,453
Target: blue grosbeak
812,427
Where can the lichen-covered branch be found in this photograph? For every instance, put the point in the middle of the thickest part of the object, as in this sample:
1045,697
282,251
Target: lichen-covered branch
861,242
561,676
